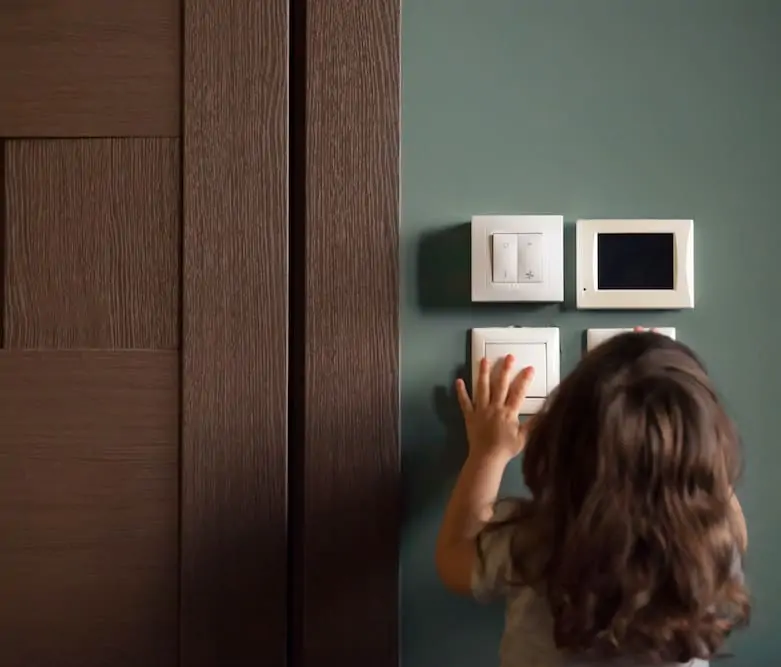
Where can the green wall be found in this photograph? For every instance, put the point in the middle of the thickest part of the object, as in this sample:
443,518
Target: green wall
588,108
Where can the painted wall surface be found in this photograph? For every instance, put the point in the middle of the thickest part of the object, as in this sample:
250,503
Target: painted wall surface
588,108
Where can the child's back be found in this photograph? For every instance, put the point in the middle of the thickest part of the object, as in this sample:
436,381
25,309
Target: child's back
528,639
628,552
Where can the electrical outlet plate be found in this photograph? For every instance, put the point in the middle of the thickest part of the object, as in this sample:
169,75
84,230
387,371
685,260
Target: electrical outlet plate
538,347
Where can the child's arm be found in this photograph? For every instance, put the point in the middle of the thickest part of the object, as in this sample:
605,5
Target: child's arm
495,437
469,509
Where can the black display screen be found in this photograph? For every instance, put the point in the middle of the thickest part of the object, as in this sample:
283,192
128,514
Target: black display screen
636,261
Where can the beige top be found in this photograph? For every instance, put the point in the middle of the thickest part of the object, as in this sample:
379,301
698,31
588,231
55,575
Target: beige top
527,640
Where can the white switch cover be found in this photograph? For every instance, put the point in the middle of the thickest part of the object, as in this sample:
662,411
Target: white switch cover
531,258
536,249
596,336
530,347
505,258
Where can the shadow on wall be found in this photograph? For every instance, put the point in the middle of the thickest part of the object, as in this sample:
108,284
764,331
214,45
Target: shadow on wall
431,467
444,275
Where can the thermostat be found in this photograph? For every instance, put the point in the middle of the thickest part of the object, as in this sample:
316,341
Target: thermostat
518,258
635,264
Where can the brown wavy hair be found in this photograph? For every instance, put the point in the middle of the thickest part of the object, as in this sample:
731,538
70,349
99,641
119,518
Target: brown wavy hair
631,465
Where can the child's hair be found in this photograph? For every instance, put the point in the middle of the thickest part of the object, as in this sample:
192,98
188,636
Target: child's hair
631,464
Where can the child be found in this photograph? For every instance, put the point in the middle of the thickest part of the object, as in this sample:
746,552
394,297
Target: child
629,550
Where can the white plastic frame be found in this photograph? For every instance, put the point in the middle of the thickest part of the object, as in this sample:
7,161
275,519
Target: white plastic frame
590,297
595,337
551,290
548,336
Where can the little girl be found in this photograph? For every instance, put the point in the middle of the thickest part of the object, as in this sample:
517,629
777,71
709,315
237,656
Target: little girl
629,550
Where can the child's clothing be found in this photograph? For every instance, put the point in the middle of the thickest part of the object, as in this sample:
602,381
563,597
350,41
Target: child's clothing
527,640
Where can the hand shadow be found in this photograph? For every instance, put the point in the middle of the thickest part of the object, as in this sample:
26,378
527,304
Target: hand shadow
431,468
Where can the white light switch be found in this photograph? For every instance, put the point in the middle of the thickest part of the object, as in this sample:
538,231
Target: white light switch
518,258
530,346
526,354
596,337
505,258
530,258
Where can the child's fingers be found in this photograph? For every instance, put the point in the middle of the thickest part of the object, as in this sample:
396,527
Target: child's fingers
518,388
483,391
463,397
502,384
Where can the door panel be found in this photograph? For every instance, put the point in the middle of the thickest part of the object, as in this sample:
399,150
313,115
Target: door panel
88,508
133,286
235,334
145,327
93,243
348,471
90,68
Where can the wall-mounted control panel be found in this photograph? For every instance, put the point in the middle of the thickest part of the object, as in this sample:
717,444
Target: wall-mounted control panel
635,264
518,258
537,347
596,337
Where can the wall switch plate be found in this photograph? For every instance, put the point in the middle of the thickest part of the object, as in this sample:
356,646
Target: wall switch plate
518,258
537,347
595,337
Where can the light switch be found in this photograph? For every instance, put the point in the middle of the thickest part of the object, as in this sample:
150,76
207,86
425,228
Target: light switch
517,258
526,354
596,337
537,347
505,258
530,258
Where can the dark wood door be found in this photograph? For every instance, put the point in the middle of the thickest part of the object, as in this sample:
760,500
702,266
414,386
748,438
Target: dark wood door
167,497
143,348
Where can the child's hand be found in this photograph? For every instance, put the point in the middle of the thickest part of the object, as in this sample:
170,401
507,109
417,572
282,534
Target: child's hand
492,424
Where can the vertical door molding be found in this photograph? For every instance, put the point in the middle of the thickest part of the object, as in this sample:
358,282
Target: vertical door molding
346,472
234,337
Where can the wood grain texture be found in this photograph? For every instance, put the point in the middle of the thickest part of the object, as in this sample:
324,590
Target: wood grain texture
351,461
3,242
88,508
234,440
93,243
87,68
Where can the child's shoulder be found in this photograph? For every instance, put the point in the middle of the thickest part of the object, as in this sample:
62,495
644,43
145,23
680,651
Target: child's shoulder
508,550
517,508
516,520
506,509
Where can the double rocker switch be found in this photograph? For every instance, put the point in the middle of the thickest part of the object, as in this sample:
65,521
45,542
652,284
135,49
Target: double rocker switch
517,258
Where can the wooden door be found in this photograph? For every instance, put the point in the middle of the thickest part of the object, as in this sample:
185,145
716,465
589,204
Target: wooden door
345,473
144,332
167,497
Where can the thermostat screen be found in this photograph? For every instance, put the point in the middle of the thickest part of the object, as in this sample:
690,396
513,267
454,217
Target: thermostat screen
636,261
